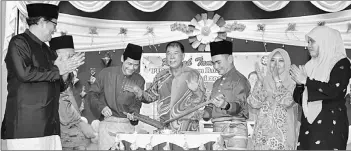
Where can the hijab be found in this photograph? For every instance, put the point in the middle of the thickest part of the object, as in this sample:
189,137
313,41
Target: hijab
287,82
331,50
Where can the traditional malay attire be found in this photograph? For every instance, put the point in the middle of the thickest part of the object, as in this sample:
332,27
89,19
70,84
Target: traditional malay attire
276,105
324,123
108,90
75,133
173,97
236,88
34,84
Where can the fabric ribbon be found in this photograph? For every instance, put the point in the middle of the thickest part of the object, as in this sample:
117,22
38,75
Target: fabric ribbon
92,32
292,28
123,33
151,36
262,28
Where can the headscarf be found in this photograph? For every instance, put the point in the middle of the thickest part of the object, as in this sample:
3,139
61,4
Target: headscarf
287,82
331,50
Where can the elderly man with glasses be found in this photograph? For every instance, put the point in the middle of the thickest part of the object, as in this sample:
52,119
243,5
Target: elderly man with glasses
36,76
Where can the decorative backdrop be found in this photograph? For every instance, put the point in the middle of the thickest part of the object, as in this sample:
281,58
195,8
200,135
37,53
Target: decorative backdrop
153,63
98,34
151,6
95,35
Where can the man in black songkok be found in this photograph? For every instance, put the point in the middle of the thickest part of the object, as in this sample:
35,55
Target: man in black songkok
229,93
109,98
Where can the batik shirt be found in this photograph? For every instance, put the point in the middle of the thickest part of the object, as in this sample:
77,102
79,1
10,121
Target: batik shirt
174,97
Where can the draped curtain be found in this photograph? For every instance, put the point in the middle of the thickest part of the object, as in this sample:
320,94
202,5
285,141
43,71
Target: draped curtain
148,6
331,6
151,6
89,6
108,34
210,5
81,30
271,5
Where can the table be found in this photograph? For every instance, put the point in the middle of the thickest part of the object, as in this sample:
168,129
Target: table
201,141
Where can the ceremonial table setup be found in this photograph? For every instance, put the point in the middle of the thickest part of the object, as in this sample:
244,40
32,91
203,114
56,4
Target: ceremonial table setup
166,139
169,141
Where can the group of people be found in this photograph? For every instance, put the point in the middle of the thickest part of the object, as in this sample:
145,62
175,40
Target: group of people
41,110
319,87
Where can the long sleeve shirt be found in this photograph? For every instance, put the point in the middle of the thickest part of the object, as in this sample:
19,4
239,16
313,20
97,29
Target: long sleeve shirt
34,86
276,106
173,96
108,90
236,88
68,109
331,92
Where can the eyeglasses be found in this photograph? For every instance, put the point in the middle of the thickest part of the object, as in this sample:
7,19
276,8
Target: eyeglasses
55,24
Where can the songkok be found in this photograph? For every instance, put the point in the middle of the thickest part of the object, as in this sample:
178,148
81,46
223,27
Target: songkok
61,42
221,47
133,51
44,10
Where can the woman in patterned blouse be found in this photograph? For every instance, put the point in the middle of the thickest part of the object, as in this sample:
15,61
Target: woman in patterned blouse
321,89
272,95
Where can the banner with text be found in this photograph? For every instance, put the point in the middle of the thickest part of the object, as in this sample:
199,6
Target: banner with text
153,63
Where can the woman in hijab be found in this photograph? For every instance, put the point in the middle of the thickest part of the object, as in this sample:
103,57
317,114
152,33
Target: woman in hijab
320,90
272,95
